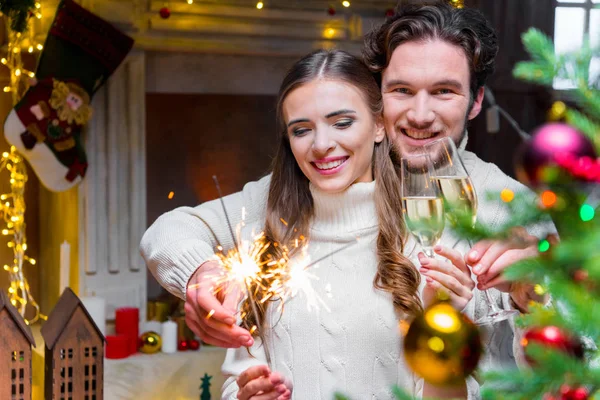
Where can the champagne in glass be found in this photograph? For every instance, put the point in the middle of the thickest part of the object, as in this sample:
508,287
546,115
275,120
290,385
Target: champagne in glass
460,197
461,201
422,202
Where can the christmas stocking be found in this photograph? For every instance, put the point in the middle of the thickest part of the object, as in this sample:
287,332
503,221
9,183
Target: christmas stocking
80,53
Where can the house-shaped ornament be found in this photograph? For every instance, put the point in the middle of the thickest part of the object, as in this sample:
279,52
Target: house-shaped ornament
74,354
15,352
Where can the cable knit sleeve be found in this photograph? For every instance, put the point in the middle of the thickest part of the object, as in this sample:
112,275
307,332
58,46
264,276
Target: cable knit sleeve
179,241
236,362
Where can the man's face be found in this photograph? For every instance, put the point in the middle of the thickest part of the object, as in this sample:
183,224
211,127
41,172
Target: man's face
426,94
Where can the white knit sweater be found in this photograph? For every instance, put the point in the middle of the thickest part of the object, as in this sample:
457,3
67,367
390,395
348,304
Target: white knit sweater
179,241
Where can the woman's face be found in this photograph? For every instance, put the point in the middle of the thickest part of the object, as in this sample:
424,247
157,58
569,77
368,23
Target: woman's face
332,133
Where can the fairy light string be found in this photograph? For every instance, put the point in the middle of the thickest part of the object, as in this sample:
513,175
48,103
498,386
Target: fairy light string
20,31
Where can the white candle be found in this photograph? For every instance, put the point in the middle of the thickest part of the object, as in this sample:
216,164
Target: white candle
65,266
169,337
96,307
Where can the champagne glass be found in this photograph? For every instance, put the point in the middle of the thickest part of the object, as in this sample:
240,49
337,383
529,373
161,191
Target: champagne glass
422,202
461,203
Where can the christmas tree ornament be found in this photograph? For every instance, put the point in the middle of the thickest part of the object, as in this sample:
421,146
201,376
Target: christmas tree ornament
193,344
164,12
569,393
150,342
183,345
389,13
80,53
557,112
552,337
442,345
536,159
331,11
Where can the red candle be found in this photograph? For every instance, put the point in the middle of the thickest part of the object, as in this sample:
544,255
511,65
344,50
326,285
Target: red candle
127,322
117,346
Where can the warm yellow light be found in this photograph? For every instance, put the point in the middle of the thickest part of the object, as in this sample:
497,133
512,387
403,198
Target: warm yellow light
329,33
38,15
10,224
190,1
6,89
16,49
3,60
32,261
14,302
14,218
30,49
31,74
15,269
346,3
260,5
17,72
11,290
38,5
5,231
12,181
24,246
10,244
3,197
171,195
6,267
7,204
39,46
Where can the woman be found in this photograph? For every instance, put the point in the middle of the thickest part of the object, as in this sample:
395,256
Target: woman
332,181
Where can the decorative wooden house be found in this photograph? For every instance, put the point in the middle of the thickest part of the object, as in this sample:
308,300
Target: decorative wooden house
74,354
15,352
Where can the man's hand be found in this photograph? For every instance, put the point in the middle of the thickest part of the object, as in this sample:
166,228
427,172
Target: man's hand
452,277
490,258
212,316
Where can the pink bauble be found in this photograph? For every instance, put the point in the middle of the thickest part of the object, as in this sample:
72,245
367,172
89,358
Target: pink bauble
535,160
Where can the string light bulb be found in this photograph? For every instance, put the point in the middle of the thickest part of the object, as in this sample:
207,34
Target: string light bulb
190,1
346,3
13,212
260,5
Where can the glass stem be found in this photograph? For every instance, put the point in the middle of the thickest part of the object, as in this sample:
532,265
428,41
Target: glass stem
429,252
491,303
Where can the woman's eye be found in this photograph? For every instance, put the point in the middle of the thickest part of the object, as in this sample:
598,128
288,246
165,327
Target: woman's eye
344,123
299,131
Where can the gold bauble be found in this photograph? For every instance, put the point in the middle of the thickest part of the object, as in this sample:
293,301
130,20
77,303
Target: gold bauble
150,342
557,111
442,345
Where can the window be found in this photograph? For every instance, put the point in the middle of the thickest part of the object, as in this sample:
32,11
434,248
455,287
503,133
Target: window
573,20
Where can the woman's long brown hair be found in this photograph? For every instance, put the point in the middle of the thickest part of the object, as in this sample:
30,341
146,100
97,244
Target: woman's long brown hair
290,198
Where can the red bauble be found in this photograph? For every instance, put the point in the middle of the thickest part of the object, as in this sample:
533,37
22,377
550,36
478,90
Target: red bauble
389,12
568,393
554,337
331,11
193,344
182,345
537,156
164,12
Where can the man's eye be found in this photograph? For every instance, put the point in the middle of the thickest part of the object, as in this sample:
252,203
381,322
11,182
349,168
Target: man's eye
402,90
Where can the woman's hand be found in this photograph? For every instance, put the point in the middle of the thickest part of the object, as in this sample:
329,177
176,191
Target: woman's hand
452,276
259,383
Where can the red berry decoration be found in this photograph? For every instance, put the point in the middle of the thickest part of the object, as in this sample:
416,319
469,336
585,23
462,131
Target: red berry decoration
164,12
389,12
193,344
554,337
331,11
182,345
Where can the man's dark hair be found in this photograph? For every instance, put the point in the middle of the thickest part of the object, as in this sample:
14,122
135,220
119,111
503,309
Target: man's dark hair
466,28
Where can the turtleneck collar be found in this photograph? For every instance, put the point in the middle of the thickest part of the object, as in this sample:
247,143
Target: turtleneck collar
345,212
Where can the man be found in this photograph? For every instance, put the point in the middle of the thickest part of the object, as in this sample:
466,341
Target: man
431,62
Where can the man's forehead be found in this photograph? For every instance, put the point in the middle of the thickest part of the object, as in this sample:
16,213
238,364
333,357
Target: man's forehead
417,62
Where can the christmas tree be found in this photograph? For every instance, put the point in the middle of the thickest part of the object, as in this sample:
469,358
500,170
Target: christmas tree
560,163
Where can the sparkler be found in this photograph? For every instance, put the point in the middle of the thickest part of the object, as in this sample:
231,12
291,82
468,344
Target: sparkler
248,265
